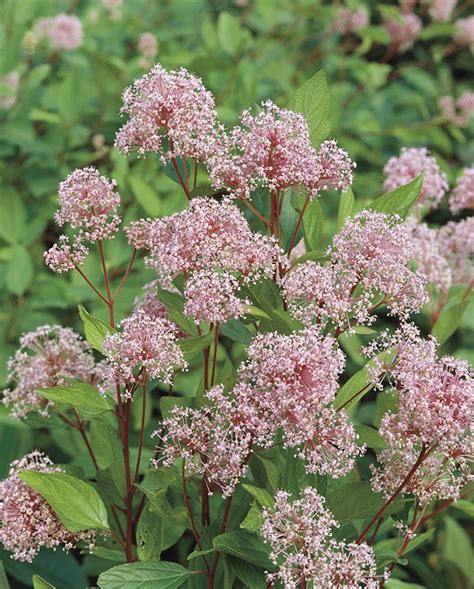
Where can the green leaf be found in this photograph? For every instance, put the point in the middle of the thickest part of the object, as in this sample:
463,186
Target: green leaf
313,101
370,437
146,196
144,575
251,576
4,584
39,583
252,311
149,535
346,207
464,506
174,303
167,404
76,503
80,395
253,520
397,584
191,345
265,498
95,329
449,320
457,548
13,218
357,501
273,474
400,200
243,545
236,331
19,271
313,222
229,33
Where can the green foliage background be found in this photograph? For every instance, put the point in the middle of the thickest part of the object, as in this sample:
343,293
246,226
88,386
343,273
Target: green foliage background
68,105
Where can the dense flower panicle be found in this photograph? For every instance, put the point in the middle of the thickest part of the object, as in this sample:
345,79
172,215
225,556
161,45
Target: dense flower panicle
429,255
405,31
12,81
168,105
211,443
47,357
149,303
435,415
208,235
462,196
465,32
148,45
350,21
273,150
63,257
458,112
145,346
457,243
88,201
27,522
212,296
64,31
440,10
370,259
299,532
413,162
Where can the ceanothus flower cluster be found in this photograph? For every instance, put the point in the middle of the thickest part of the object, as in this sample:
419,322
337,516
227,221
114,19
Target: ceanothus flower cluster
299,532
350,21
48,357
462,195
403,31
459,112
411,163
370,265
27,522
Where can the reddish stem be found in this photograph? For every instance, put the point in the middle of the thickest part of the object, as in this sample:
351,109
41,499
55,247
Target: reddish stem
298,225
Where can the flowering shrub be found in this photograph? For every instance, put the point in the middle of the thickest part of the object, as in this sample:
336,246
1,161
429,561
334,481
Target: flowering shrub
263,387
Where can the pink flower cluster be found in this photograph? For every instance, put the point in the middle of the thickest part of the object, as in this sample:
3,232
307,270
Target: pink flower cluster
145,347
457,244
63,31
440,10
458,113
433,424
208,237
11,81
411,163
370,260
462,196
171,113
47,357
404,30
350,21
147,46
87,202
465,32
299,532
273,150
27,522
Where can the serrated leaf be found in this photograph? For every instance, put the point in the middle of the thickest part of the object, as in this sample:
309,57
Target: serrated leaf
76,503
95,329
80,395
144,575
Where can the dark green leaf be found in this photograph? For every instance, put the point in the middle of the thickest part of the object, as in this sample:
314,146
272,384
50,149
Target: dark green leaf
80,395
244,545
357,501
144,575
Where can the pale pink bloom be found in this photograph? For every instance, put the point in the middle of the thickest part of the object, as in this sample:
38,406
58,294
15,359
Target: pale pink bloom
208,235
27,522
462,196
12,81
113,7
370,263
299,532
404,33
144,347
459,113
64,31
49,356
298,251
88,202
273,150
440,10
411,163
457,243
212,296
148,45
173,106
465,32
63,257
350,21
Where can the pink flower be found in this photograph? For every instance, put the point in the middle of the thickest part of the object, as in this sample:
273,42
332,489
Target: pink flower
413,162
47,357
441,10
458,114
27,522
148,45
403,31
370,260
64,257
462,196
457,244
350,21
465,32
299,532
173,106
64,31
11,81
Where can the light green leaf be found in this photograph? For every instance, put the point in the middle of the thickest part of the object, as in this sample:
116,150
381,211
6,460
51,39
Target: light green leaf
80,395
144,575
19,271
457,547
191,345
346,207
76,503
146,196
253,520
95,329
265,498
174,303
229,33
251,310
313,101
370,437
39,583
244,545
464,506
13,218
313,222
400,200
449,320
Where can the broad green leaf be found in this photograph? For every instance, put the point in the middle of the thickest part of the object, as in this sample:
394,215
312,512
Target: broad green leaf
357,501
265,498
236,331
144,575
13,218
80,395
146,196
317,256
313,222
251,576
229,33
449,320
252,311
370,437
464,506
149,535
174,303
456,547
95,329
76,503
397,584
400,200
253,520
313,101
19,271
346,207
191,345
4,584
167,404
273,474
39,583
244,545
